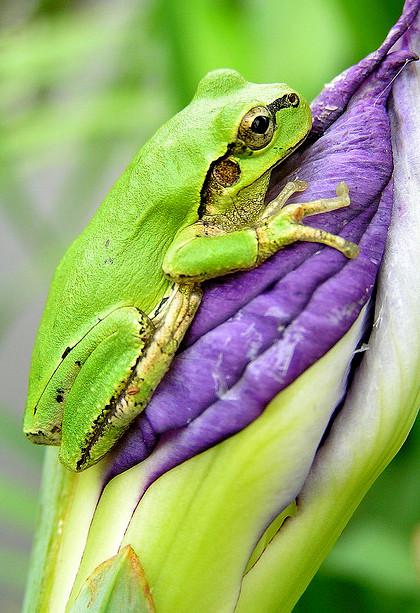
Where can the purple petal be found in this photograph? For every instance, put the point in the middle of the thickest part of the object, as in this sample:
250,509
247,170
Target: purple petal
256,332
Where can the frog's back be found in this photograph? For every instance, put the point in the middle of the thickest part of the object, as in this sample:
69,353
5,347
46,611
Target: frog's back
117,259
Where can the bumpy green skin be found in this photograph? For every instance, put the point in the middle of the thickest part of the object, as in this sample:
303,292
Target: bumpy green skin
173,219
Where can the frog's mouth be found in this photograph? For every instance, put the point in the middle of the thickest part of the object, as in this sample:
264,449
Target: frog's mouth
287,154
278,163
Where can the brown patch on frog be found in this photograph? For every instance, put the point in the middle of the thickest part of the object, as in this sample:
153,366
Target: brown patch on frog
226,172
220,172
223,173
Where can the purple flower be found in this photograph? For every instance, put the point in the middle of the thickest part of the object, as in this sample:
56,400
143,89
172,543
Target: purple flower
257,331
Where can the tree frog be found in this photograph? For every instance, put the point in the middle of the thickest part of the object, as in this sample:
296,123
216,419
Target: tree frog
189,207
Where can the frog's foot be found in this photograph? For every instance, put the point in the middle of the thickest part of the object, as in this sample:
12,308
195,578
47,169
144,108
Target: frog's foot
284,226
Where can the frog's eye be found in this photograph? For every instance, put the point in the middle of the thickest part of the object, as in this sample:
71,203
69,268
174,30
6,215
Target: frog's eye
257,128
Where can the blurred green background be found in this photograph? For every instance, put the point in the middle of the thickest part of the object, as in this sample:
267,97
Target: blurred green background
83,84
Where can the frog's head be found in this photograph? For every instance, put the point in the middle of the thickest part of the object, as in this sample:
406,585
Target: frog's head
260,126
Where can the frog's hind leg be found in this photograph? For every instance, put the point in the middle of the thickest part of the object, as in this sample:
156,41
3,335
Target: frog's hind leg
169,333
81,377
116,415
102,362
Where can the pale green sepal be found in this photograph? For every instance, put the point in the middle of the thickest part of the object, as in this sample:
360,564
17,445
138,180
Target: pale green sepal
57,484
118,500
118,584
68,502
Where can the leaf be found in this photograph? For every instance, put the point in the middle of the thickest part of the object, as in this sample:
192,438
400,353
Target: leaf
118,584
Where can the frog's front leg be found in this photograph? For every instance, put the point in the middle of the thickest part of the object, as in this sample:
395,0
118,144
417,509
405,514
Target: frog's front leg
204,251
282,225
